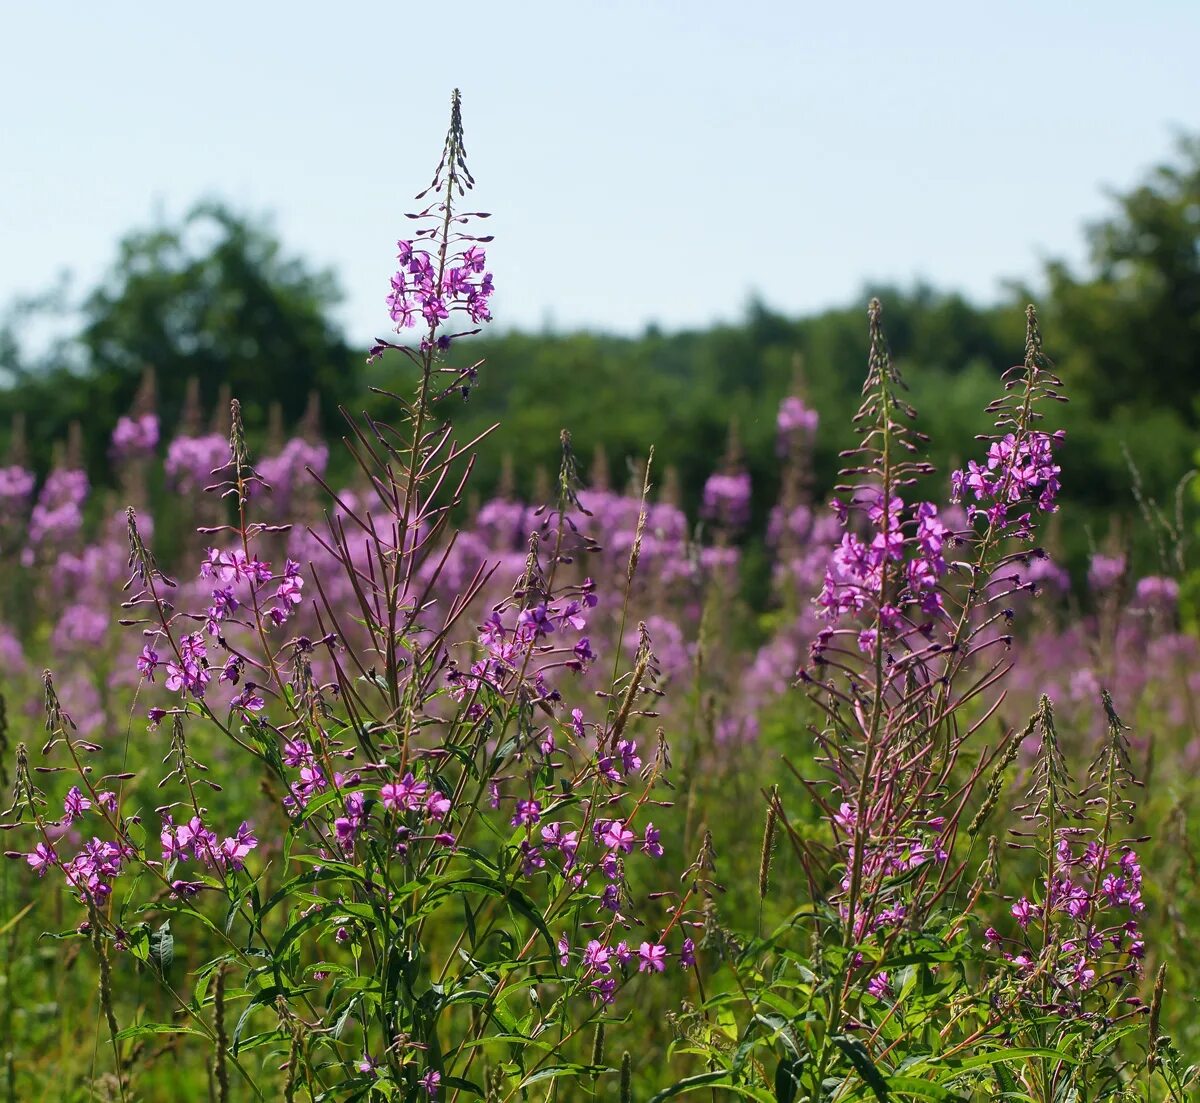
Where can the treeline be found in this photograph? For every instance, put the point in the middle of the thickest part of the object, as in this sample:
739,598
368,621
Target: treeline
217,298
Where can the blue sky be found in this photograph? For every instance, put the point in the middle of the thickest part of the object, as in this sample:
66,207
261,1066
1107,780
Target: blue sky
644,161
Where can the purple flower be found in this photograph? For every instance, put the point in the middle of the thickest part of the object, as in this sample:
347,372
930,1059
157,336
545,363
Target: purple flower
191,461
405,795
1155,592
616,836
1023,911
529,812
234,850
1105,571
795,422
652,957
727,499
190,673
147,662
75,804
595,957
41,859
474,259
1082,974
134,438
248,700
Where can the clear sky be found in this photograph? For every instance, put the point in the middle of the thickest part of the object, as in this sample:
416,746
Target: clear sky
645,161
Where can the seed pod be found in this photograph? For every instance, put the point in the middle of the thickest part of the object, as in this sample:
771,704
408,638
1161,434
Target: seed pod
768,843
598,1044
1160,983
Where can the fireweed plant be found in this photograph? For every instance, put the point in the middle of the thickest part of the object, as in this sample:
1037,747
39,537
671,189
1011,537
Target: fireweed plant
408,839
438,903
910,971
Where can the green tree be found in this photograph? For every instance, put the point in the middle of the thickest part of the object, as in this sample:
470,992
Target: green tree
1131,326
215,297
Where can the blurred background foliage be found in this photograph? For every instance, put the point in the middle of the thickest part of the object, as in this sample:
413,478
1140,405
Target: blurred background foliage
218,298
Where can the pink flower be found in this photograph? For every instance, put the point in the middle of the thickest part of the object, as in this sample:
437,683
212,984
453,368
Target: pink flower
653,957
75,805
528,812
879,986
234,850
617,836
596,955
41,859
437,805
407,794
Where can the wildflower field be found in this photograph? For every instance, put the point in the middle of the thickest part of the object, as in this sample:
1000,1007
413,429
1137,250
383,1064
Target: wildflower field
326,777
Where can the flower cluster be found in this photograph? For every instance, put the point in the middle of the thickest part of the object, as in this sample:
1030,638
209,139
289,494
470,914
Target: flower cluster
1018,472
1105,571
134,438
194,840
191,461
796,425
430,287
236,582
727,499
57,516
287,470
887,866
1088,916
16,488
904,547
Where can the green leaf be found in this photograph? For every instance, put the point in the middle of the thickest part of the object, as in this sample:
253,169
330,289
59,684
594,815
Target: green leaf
1009,1088
147,1029
787,1080
325,914
688,1084
332,872
863,1065
162,946
566,1071
262,998
994,1057
923,1089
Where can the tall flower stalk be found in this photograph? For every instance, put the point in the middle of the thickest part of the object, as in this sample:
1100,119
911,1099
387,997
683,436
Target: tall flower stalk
444,881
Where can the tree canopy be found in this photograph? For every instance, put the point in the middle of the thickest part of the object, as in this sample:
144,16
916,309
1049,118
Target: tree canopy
215,298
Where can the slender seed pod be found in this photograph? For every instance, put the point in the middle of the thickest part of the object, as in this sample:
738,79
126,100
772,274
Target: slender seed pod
1160,984
768,843
598,1044
293,1069
996,781
220,1067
